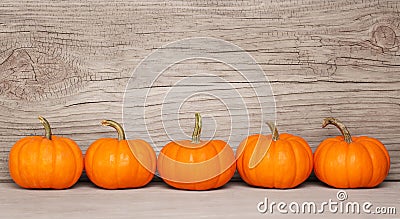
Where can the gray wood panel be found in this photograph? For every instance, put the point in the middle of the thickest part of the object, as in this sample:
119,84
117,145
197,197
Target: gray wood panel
235,200
70,61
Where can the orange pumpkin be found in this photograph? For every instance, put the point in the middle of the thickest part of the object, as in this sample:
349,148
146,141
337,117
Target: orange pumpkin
49,162
274,161
350,162
196,164
113,163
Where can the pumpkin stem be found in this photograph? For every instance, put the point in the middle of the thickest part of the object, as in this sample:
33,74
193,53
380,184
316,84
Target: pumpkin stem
343,129
274,130
197,129
117,126
46,126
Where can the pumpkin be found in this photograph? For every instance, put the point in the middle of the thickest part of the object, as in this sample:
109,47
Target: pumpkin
350,162
45,162
274,161
112,163
196,164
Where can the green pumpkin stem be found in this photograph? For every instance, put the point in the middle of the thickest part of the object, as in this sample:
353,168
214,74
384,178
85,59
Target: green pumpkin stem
117,126
343,129
274,131
197,129
46,126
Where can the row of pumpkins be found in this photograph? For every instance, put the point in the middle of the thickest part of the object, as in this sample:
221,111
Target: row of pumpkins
269,161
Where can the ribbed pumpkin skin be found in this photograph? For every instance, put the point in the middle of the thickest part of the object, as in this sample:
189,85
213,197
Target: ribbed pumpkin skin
363,163
117,164
203,166
287,163
39,163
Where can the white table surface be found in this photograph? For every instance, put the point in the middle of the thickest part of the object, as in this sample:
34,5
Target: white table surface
157,200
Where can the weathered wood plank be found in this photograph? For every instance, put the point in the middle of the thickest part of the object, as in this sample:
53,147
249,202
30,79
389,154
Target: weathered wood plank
71,61
235,200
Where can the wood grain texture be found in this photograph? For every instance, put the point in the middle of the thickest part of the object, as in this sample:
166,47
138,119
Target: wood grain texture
157,200
70,61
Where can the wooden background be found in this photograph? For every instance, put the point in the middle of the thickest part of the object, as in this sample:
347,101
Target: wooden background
71,61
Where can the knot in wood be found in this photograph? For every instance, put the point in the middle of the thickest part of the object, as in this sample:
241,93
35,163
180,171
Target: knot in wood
384,37
31,74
